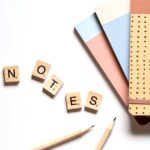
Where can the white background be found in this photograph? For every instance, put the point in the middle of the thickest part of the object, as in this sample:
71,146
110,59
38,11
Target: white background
43,29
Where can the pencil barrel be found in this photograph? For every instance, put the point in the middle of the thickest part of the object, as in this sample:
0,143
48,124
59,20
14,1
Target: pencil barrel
62,140
103,139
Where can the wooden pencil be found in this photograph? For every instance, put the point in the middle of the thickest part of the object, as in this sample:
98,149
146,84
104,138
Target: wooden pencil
64,139
105,136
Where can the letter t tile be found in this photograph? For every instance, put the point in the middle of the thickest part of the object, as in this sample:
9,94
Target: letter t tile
52,86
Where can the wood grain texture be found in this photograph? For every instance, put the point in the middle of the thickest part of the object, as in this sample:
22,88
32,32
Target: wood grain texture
63,140
105,136
73,101
93,102
11,75
40,70
52,86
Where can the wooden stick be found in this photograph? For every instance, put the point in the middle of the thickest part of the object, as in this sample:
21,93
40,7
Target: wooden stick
64,139
105,135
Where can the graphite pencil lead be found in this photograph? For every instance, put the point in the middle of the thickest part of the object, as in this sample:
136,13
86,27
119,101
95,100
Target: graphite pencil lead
114,118
92,126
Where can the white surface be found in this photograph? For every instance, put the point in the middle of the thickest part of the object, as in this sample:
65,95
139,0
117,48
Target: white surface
43,29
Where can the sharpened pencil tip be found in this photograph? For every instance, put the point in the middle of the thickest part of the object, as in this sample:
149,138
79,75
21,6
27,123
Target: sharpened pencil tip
92,126
114,118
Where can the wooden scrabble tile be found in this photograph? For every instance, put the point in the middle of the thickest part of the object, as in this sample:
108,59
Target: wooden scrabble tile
40,71
93,102
11,75
73,102
52,86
